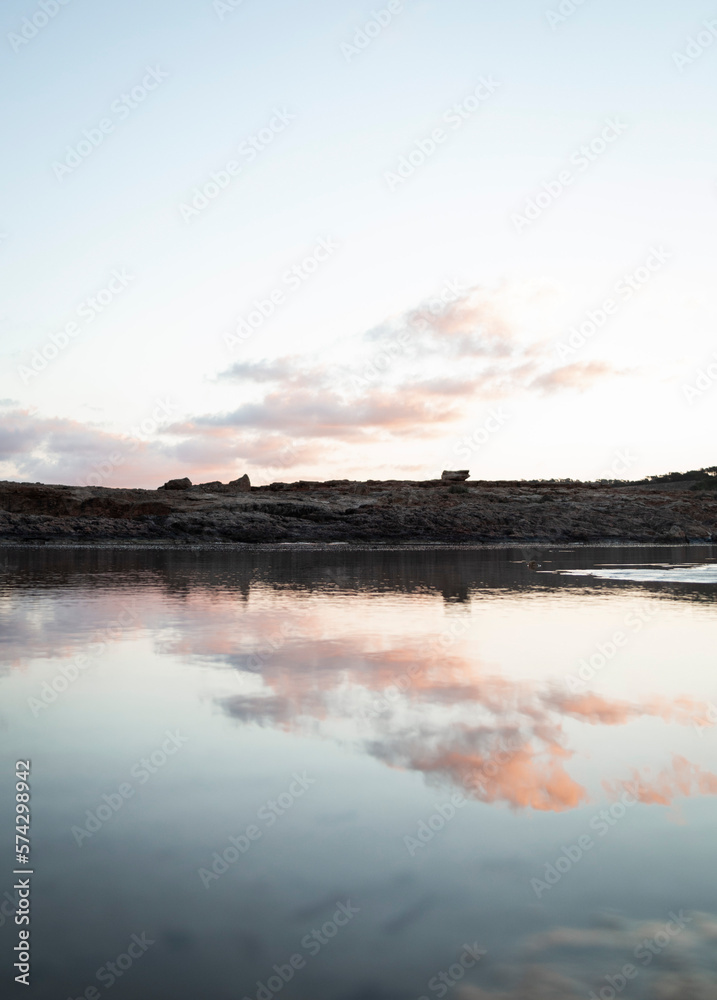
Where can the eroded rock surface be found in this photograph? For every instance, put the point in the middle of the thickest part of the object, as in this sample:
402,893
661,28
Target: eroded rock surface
358,512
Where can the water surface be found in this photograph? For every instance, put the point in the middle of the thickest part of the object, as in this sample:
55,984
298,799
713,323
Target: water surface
480,774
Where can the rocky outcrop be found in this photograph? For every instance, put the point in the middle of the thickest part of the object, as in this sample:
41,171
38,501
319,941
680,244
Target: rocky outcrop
177,484
455,477
370,512
239,485
242,485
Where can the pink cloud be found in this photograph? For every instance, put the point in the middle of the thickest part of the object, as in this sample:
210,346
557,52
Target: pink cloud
580,375
682,779
467,351
325,414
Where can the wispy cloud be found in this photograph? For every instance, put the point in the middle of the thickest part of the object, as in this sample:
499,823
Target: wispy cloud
483,332
681,779
417,375
580,375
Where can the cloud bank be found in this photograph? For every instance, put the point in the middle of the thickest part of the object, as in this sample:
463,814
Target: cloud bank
415,377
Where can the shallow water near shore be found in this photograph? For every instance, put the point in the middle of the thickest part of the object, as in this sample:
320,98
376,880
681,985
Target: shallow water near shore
363,775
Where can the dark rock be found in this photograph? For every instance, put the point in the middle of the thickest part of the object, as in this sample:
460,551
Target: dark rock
239,485
155,508
36,498
105,506
362,513
455,477
177,484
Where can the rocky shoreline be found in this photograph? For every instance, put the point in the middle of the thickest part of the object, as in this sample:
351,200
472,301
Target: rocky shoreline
359,513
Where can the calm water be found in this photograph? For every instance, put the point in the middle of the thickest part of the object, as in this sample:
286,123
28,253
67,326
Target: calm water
363,776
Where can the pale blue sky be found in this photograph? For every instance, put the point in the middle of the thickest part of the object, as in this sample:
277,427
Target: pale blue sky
323,176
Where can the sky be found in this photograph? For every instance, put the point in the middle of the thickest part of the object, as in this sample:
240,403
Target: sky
344,241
